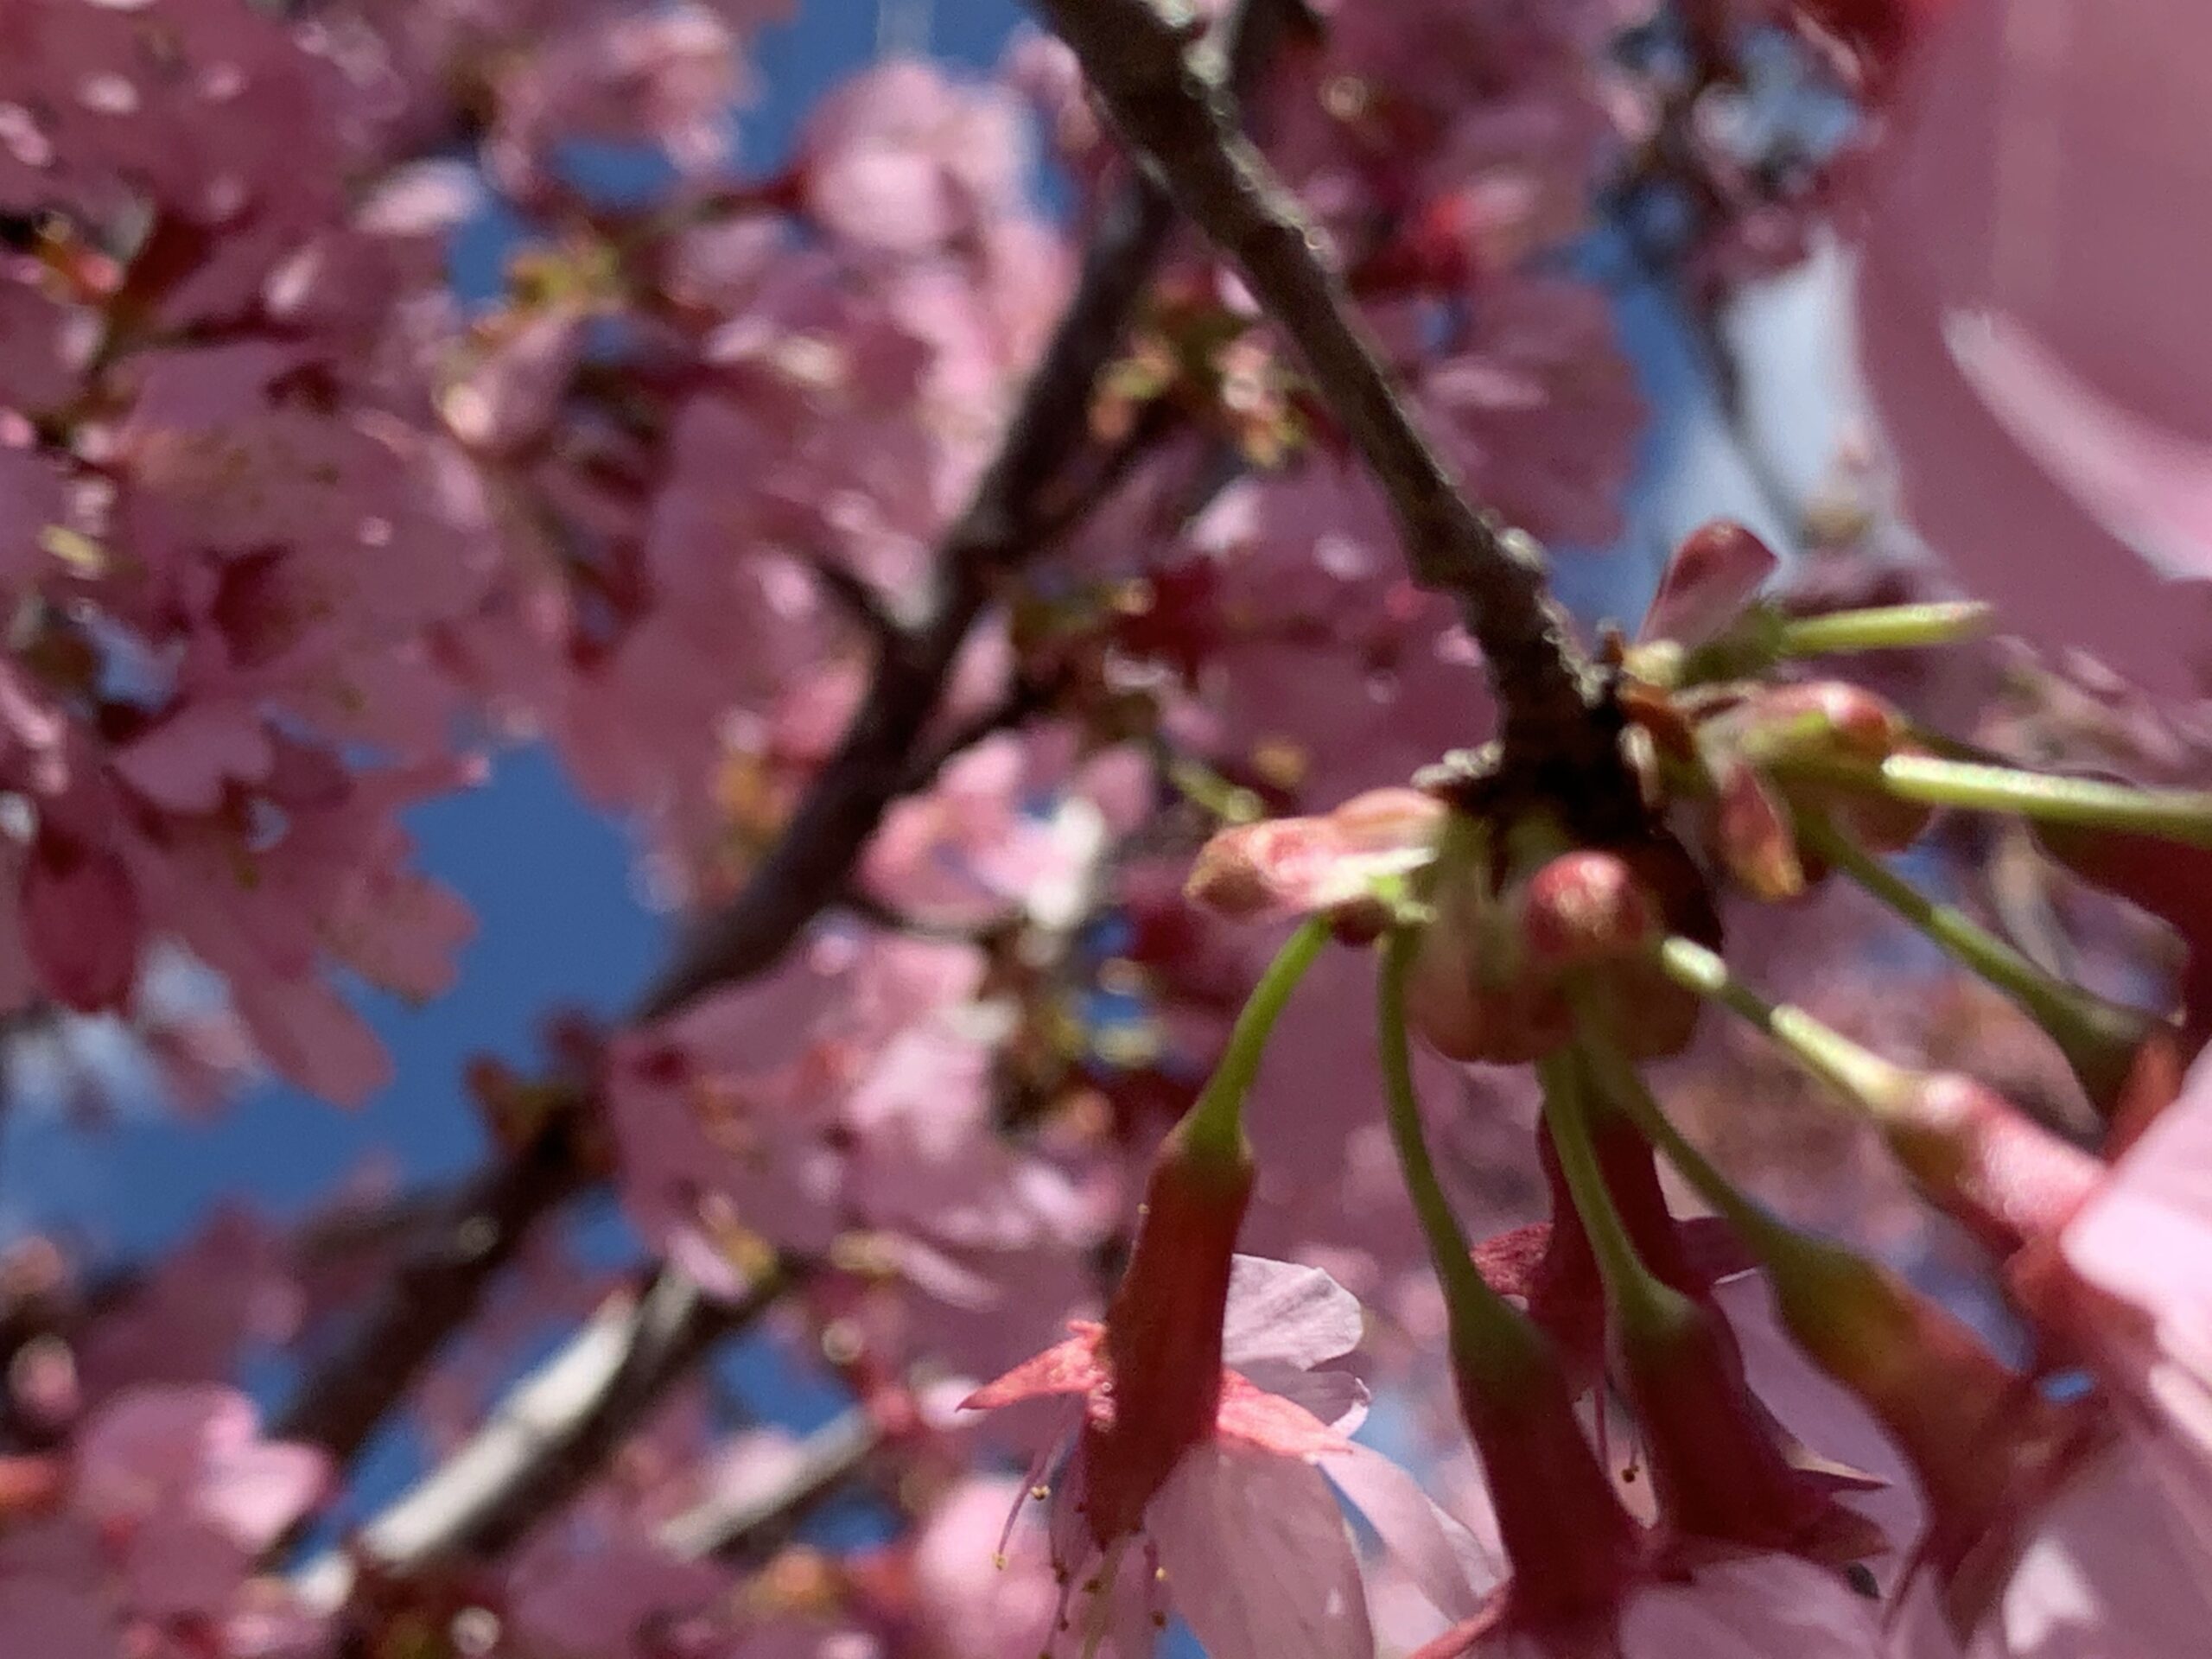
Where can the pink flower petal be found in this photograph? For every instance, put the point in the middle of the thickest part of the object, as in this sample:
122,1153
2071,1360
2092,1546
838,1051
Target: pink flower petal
1258,1418
1767,1607
1071,1367
1257,1558
81,923
183,762
2030,175
1451,1566
2150,488
1279,1311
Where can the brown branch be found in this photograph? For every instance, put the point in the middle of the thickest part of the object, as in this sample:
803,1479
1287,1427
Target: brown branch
1016,506
1170,105
547,1438
1022,503
759,1515
437,1288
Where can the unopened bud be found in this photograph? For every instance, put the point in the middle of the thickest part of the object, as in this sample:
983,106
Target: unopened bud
1819,720
1468,991
1584,908
1308,865
1753,837
1711,577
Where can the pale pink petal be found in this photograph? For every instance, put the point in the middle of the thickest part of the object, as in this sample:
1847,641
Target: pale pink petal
1272,1421
2150,487
1450,1566
148,1442
1257,1558
1336,1398
256,1492
1281,1311
2035,158
1765,1607
426,197
2107,1574
184,762
313,1036
2145,1237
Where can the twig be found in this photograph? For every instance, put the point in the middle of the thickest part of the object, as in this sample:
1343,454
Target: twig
436,1291
547,1438
754,1520
1169,105
1004,524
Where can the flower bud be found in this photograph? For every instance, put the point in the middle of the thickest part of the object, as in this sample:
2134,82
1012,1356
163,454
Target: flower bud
1711,578
1582,909
1470,991
1306,865
1766,755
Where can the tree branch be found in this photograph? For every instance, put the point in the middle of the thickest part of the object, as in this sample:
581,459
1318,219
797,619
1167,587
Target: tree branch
549,1436
754,1520
1016,506
1022,503
437,1288
1169,105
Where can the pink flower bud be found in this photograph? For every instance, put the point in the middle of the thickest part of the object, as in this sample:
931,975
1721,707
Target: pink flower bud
1302,866
1470,992
1584,908
1711,577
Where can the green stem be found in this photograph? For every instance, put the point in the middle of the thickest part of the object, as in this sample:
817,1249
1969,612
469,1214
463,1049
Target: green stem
1861,1075
1638,1302
2178,815
1490,1336
2099,1039
1887,627
1617,1079
1816,1284
1215,1124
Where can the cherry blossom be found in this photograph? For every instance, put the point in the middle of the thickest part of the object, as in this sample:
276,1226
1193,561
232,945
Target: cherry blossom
1243,1527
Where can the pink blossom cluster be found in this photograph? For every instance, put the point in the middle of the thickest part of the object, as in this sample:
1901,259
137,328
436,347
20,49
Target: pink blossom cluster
1756,1191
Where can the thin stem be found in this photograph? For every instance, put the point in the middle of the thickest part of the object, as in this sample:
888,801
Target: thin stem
1858,1073
2099,1039
1169,108
1617,1076
1637,1300
1887,627
1215,1122
2178,815
1488,1335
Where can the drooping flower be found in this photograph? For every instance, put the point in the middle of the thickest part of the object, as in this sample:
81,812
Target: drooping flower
1231,1506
